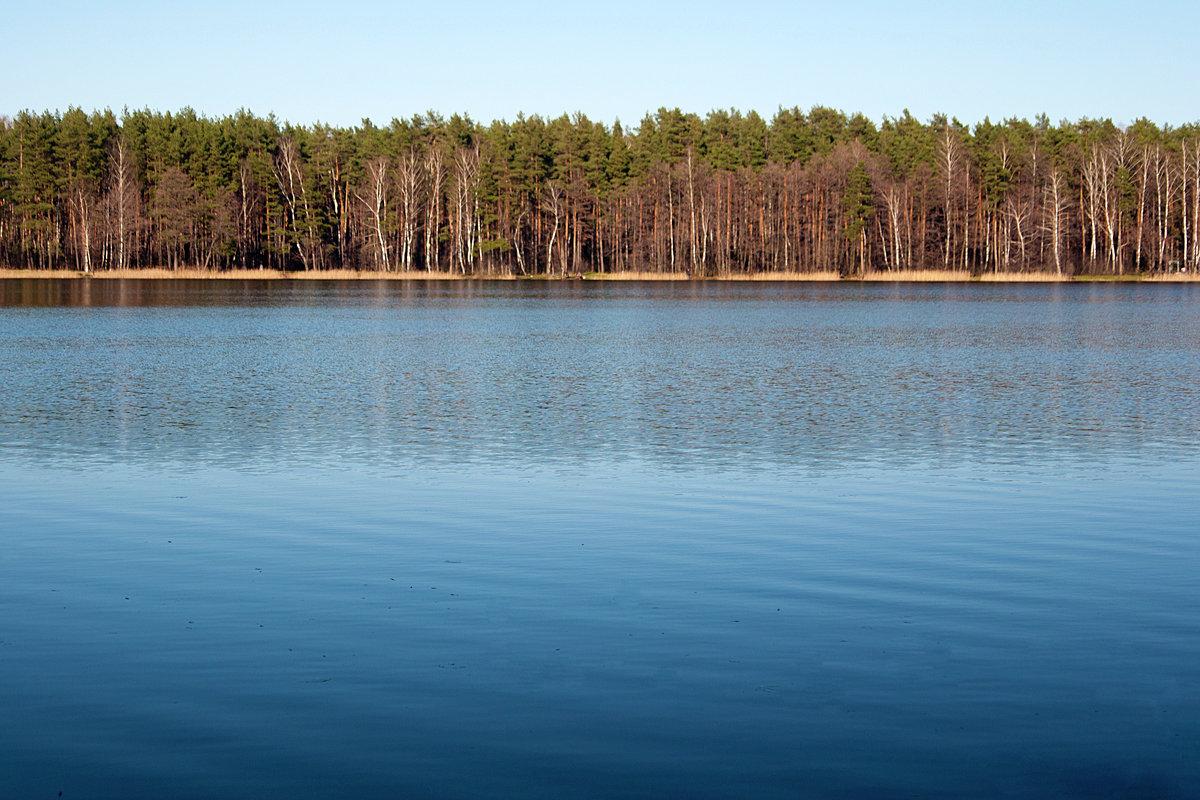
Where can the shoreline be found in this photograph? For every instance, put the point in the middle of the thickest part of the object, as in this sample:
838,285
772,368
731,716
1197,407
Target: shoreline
900,276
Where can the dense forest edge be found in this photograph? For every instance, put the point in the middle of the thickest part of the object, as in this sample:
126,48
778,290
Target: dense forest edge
815,194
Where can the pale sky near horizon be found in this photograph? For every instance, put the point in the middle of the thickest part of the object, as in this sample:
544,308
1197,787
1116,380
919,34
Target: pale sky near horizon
340,62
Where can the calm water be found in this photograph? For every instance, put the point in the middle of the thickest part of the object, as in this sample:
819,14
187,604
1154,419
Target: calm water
264,540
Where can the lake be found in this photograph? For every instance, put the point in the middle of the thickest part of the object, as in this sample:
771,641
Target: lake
462,539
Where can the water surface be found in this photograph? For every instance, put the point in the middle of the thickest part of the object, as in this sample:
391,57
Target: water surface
271,539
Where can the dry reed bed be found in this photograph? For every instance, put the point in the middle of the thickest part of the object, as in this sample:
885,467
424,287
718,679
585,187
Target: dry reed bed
1174,277
156,273
961,276
905,276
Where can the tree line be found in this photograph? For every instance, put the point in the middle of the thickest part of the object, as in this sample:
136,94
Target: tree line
722,194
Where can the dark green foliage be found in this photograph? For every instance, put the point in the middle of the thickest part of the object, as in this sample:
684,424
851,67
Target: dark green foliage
859,202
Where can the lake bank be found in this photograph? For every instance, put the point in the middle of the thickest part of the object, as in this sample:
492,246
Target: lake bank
905,276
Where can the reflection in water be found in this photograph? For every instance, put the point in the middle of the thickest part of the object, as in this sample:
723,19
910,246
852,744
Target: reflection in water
378,540
770,376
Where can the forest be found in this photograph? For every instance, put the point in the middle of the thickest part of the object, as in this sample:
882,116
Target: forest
722,194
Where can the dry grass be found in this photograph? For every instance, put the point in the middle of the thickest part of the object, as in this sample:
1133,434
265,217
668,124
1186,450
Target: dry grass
634,276
780,276
1174,277
39,273
1023,277
962,276
157,273
370,275
910,275
900,276
681,276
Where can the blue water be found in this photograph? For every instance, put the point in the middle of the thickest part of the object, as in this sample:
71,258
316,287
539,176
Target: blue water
272,540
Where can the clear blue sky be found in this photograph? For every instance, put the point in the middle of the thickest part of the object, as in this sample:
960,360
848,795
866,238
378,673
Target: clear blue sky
338,62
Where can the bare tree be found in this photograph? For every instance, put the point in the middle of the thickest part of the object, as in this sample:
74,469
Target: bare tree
302,225
466,206
1054,205
435,173
375,202
552,202
122,202
408,185
949,158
